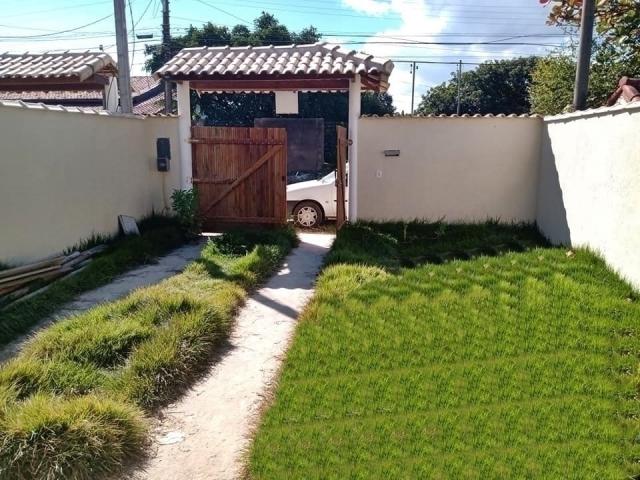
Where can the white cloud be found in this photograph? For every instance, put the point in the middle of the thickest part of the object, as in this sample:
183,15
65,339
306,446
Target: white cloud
422,21
417,19
369,7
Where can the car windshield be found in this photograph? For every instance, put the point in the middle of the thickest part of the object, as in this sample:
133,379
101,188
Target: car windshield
328,178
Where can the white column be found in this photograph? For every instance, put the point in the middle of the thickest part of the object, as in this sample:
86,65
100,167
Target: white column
354,118
111,95
184,133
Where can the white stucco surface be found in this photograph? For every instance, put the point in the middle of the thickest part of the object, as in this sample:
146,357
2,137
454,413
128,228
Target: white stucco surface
67,175
589,188
459,169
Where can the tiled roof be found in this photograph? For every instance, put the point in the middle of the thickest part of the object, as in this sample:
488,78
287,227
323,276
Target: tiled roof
151,106
148,96
139,85
628,91
73,109
58,95
318,59
464,115
67,65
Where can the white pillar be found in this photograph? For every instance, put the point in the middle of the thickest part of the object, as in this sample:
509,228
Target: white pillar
184,133
111,95
354,118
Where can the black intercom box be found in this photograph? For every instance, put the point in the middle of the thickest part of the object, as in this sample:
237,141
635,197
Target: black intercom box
163,149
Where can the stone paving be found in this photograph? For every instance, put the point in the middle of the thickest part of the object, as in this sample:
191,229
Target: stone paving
205,434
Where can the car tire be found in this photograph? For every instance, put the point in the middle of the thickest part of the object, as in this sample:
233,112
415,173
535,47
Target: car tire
308,214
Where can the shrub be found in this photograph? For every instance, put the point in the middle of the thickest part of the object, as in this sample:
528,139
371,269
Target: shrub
185,204
70,403
77,438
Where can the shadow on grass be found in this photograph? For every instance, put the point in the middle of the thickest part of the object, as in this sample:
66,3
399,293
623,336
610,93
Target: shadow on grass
394,246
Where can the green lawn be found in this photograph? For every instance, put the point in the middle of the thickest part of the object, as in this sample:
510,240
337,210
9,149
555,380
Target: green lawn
73,404
435,351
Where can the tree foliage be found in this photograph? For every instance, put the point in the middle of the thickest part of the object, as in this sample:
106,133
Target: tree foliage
242,108
499,86
617,20
553,79
267,30
551,89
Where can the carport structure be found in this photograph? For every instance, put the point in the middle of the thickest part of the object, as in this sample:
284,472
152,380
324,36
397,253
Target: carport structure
283,70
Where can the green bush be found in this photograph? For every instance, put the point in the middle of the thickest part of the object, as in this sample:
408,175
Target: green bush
185,204
80,438
71,404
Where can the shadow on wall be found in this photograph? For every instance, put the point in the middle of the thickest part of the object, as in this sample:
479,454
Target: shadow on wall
551,212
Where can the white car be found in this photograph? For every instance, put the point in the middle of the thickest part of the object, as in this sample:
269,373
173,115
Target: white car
313,202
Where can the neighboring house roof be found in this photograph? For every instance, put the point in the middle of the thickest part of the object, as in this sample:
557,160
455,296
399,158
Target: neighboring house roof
148,96
151,106
315,61
60,70
628,91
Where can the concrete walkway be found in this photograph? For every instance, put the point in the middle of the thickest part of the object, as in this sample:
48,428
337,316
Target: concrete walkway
146,275
204,435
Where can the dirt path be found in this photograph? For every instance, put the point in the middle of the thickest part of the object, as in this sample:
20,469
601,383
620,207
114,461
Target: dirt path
204,435
165,267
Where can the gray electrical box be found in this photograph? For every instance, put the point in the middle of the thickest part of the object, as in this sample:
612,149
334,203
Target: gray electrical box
163,149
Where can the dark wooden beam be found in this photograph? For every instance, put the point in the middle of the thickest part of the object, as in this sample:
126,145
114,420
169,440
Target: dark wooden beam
96,82
270,84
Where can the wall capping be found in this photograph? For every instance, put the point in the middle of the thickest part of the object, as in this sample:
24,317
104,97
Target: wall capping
430,116
594,112
65,109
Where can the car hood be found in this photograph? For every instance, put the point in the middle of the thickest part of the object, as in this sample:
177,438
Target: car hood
296,187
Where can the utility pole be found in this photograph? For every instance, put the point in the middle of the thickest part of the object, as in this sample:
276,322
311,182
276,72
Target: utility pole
459,84
413,69
124,77
166,52
584,55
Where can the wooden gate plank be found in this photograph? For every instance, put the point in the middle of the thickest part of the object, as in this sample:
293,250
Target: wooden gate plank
246,174
240,174
342,146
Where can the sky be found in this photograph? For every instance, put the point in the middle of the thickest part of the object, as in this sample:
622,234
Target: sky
384,28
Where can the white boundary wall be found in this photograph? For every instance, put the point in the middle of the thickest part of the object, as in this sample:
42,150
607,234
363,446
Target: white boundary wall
462,169
67,175
589,189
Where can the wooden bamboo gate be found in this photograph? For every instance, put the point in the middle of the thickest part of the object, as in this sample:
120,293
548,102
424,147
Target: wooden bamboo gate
240,174
341,176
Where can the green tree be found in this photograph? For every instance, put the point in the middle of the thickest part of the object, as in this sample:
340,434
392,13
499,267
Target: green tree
551,90
242,108
617,20
499,86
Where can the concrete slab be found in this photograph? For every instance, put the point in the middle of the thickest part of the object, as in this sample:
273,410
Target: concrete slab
146,275
204,435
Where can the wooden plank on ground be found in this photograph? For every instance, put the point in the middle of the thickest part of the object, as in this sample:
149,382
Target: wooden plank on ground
10,272
27,276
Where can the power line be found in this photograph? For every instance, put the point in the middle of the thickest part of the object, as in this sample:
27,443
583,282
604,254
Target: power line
57,33
57,9
224,11
133,32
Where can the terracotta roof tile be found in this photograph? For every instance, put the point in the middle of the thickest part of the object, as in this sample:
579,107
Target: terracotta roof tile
318,59
68,65
628,91
140,85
